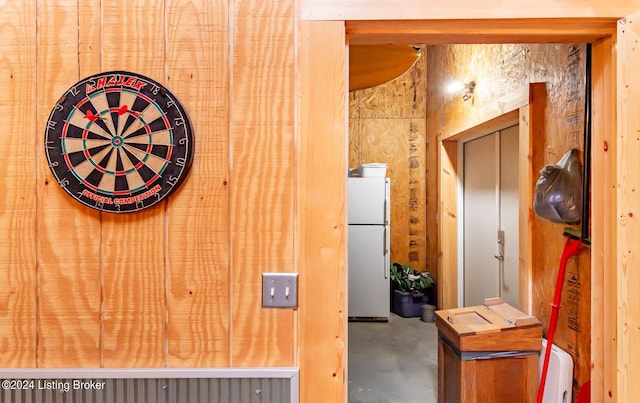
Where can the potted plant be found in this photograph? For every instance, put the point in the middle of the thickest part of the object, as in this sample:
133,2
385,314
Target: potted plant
410,289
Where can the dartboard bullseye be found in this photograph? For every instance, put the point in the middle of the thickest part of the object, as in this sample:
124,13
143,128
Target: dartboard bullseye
119,142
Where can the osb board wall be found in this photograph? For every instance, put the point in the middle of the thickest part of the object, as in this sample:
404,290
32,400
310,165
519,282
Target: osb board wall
387,123
500,70
177,285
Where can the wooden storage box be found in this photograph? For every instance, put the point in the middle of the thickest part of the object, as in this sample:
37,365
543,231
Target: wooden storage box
488,353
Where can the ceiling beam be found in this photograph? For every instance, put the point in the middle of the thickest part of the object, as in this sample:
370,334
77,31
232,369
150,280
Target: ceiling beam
437,32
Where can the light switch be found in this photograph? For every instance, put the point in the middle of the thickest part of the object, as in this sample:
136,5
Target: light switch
279,290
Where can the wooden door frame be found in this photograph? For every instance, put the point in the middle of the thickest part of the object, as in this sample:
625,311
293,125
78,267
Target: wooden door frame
601,33
520,117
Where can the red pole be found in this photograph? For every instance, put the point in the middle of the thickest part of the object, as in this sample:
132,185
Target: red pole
571,248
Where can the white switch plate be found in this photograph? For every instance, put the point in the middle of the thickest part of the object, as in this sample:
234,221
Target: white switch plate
279,290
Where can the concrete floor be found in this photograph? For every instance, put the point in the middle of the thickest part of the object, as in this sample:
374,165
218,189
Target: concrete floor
393,362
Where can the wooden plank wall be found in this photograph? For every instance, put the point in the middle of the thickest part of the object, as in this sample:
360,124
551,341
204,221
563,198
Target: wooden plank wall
628,200
500,70
447,182
321,227
133,246
262,176
198,302
603,225
68,244
387,123
179,284
18,255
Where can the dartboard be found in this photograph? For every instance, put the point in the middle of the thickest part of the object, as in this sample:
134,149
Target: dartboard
119,142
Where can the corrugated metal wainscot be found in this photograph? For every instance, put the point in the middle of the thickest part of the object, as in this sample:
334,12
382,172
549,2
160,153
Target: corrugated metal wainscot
251,385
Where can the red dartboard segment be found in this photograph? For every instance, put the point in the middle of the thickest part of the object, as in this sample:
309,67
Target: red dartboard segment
119,142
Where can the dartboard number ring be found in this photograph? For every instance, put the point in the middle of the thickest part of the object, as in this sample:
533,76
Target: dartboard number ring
119,142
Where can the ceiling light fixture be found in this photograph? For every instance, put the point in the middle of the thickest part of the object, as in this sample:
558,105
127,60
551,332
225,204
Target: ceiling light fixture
468,90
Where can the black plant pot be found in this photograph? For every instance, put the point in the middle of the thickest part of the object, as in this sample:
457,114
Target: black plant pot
408,304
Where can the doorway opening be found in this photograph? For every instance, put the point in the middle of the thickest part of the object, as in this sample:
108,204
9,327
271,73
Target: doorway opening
601,32
449,139
489,201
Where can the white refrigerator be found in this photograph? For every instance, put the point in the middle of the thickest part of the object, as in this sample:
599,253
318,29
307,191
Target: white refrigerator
368,248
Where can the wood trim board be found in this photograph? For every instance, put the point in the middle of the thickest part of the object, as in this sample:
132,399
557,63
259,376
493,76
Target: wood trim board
472,128
336,10
465,31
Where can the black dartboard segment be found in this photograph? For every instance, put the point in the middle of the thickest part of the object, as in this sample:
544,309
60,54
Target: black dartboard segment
119,142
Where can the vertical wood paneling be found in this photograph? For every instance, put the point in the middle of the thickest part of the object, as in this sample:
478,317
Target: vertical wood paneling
525,190
198,213
89,37
262,177
321,229
627,209
603,219
68,233
133,245
17,188
532,130
448,234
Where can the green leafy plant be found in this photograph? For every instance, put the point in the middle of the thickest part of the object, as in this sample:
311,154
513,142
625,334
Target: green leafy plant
407,279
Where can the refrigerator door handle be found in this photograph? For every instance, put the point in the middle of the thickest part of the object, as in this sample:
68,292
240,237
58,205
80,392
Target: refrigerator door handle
386,211
385,250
